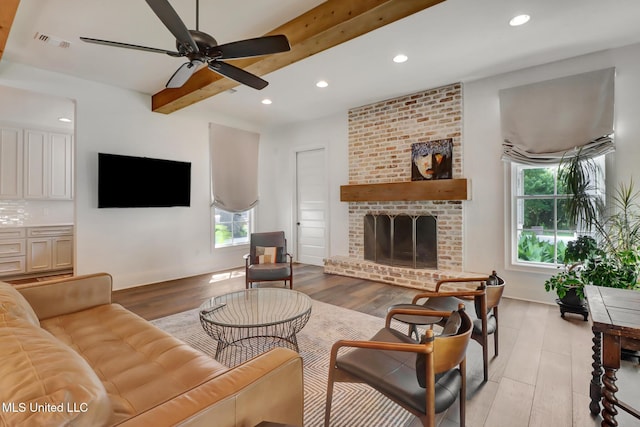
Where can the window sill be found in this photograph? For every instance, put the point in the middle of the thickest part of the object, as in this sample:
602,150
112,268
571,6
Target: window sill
243,248
534,268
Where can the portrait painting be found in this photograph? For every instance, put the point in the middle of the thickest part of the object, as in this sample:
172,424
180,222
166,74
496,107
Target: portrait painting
431,160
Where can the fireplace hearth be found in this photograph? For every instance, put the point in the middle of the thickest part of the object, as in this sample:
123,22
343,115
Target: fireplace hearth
401,240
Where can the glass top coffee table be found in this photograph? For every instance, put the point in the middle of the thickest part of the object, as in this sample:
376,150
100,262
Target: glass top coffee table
250,322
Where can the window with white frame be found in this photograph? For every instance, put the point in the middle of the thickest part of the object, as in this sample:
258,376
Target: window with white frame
540,227
232,228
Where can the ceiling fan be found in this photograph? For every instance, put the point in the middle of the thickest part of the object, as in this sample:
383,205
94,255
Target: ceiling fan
200,48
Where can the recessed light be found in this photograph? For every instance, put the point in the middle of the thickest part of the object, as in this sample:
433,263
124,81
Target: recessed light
266,101
519,20
322,83
398,59
64,119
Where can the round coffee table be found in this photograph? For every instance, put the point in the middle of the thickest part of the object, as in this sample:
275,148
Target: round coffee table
250,322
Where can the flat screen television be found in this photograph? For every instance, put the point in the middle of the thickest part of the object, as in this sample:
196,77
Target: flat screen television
142,182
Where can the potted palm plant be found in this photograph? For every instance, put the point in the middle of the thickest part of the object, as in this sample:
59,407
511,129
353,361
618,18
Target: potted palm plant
608,253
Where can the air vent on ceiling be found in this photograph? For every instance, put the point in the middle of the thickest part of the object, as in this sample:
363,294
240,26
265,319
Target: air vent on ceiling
52,40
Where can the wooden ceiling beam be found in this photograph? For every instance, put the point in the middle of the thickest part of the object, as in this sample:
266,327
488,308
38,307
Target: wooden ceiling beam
325,26
7,13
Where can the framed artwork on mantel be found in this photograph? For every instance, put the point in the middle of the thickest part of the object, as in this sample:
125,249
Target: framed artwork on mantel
431,160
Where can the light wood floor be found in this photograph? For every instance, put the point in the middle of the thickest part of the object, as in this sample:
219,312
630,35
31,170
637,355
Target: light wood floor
540,378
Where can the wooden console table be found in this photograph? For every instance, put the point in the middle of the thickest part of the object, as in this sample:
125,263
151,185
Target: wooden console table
615,316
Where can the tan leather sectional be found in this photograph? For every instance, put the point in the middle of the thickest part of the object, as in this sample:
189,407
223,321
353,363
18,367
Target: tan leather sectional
69,357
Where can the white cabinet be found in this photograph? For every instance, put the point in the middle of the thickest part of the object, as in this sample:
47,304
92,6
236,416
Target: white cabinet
38,255
35,163
11,163
49,248
48,168
35,249
62,252
12,251
60,164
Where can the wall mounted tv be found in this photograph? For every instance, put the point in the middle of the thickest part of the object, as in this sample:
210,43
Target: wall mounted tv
142,182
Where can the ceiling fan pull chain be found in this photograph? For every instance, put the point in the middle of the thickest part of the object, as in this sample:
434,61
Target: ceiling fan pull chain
197,15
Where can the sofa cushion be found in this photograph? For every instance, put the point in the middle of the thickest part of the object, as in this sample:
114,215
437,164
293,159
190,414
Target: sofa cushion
14,304
140,365
47,383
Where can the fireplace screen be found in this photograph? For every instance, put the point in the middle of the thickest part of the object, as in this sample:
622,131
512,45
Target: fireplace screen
401,240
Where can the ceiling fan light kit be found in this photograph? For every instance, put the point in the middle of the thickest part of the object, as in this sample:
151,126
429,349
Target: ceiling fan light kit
201,48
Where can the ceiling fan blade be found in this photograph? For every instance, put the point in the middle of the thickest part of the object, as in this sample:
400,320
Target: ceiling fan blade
172,21
129,46
254,47
183,74
238,74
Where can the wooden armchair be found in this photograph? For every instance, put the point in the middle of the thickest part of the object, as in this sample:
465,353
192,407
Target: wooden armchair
423,377
485,300
268,259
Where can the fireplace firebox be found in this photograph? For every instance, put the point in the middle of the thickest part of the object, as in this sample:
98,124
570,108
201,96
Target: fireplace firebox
401,240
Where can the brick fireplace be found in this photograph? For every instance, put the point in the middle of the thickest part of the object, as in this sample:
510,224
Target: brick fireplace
380,138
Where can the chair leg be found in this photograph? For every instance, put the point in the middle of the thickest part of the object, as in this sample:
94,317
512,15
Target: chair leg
463,392
495,334
327,408
485,354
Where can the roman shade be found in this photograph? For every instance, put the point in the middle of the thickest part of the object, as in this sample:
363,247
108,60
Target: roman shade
234,168
546,121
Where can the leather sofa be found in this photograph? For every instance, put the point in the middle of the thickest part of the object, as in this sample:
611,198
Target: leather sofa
69,357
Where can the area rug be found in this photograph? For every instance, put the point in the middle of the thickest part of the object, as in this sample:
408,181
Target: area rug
353,404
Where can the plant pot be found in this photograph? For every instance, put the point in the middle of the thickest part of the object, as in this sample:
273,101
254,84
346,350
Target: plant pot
571,303
571,298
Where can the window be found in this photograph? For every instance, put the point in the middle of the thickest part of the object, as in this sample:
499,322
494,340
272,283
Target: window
540,228
231,228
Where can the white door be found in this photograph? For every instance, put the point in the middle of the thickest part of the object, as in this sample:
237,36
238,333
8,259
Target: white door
311,197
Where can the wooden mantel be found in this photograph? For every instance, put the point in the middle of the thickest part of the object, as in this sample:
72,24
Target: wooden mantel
442,189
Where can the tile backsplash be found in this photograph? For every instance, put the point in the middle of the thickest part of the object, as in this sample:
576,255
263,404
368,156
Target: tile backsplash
20,213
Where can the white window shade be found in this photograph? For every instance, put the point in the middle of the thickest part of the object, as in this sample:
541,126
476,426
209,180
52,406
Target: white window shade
542,122
234,168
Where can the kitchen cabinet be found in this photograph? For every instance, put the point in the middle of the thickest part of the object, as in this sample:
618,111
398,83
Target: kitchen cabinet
12,251
49,248
33,250
48,168
11,163
35,164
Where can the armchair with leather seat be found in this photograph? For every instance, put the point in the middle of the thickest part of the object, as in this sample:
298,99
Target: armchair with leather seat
485,297
423,377
268,259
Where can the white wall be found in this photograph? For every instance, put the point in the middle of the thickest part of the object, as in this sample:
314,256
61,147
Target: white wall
276,210
137,246
485,219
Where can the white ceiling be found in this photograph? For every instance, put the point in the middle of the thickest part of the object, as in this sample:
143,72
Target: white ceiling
458,40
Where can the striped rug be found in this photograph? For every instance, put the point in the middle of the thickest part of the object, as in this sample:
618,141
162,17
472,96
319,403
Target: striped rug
353,404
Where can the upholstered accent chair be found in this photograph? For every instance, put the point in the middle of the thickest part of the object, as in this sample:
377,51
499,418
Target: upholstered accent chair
268,259
424,377
485,297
